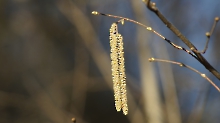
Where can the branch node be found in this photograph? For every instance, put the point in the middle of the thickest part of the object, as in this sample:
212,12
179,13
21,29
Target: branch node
95,13
208,34
181,65
151,59
203,75
192,48
153,5
191,68
149,28
150,5
216,19
122,21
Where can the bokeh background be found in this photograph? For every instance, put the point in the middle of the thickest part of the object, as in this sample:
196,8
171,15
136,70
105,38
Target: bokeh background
55,64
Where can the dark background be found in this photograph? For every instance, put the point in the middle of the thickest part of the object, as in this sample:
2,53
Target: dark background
55,64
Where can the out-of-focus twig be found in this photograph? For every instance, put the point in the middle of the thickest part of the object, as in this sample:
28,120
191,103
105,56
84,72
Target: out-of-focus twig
191,68
201,101
150,89
73,120
44,101
169,90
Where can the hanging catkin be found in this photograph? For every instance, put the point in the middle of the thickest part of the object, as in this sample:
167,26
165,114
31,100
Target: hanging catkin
118,69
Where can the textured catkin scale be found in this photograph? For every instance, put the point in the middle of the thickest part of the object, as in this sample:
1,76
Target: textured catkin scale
115,66
118,69
122,74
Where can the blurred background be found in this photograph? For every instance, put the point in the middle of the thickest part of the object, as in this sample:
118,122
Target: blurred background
55,62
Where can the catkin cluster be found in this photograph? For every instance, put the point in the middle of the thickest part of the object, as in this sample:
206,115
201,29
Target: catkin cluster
118,69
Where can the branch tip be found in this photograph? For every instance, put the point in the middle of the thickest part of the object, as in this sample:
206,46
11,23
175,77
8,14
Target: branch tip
151,59
216,19
122,22
150,5
153,5
95,13
73,120
208,34
191,68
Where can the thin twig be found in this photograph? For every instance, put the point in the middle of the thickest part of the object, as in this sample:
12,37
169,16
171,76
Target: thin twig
152,6
191,68
208,35
201,101
124,18
148,28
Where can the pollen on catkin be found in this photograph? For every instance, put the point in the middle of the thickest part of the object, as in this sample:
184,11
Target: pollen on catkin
122,75
114,64
118,69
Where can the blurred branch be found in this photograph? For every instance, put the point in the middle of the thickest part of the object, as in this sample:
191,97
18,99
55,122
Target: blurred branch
198,110
44,101
169,90
71,11
81,79
73,120
150,89
152,6
183,65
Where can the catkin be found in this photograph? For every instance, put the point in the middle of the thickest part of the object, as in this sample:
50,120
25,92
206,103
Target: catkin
122,75
114,64
118,69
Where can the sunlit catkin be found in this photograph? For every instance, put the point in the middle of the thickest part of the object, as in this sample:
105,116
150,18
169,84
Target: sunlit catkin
122,75
114,64
118,69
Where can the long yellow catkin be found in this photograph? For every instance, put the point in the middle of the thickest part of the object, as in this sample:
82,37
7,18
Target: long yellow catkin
118,69
122,75
114,64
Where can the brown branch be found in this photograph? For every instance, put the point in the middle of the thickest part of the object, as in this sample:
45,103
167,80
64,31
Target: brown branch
191,68
122,19
208,35
152,6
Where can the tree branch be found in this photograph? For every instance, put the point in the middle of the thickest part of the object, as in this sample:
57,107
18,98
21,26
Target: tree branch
152,6
187,66
208,35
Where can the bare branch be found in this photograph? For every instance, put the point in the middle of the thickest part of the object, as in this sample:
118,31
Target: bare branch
149,29
152,6
191,68
208,35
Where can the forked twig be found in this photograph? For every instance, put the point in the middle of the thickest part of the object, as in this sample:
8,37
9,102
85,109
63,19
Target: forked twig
152,6
183,65
149,29
208,35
